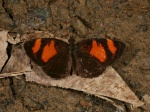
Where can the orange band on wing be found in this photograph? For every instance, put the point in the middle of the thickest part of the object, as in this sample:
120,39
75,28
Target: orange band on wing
98,51
49,51
36,46
112,48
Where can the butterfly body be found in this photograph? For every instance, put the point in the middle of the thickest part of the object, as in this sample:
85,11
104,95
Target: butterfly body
88,58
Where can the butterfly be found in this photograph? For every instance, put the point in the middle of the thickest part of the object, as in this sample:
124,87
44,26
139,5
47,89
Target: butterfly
87,58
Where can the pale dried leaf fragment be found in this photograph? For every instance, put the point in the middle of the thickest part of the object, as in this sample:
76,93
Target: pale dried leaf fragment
17,62
146,99
3,48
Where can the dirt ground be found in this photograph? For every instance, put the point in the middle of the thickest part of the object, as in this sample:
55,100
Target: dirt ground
124,20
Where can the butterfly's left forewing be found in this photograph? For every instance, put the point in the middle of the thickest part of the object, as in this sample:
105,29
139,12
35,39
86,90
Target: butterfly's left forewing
52,55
